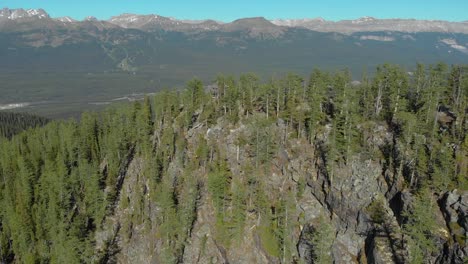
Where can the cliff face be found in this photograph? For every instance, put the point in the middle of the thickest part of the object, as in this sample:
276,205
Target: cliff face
357,209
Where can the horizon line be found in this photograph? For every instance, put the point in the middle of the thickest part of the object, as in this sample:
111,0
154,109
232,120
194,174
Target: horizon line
259,16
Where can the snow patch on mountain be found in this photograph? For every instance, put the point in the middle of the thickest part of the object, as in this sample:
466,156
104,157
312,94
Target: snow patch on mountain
133,21
65,19
377,38
297,22
90,18
365,19
371,24
130,18
14,14
454,45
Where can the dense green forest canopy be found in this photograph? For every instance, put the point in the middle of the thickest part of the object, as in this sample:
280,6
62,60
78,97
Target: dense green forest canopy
13,123
59,184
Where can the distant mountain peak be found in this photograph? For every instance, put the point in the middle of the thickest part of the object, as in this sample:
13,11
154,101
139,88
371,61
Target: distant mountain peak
256,26
365,19
252,20
15,14
90,18
65,19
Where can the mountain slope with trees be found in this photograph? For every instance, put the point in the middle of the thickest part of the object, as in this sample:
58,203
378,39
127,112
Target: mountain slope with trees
292,170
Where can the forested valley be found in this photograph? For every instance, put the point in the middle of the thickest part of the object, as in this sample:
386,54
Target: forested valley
316,169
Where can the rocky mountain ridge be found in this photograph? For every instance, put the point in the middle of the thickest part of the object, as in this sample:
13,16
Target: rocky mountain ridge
18,14
154,22
366,24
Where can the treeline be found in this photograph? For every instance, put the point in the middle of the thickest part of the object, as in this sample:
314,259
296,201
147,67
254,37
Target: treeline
59,183
12,123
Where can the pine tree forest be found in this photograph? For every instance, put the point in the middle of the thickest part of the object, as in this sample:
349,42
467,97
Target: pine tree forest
284,170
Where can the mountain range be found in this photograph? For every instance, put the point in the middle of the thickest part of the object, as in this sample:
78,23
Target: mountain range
156,22
35,28
45,58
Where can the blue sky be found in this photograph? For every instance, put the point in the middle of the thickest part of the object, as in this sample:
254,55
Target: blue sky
452,10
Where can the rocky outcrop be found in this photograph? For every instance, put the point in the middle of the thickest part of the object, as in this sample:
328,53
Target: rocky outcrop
347,207
125,237
454,207
386,242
